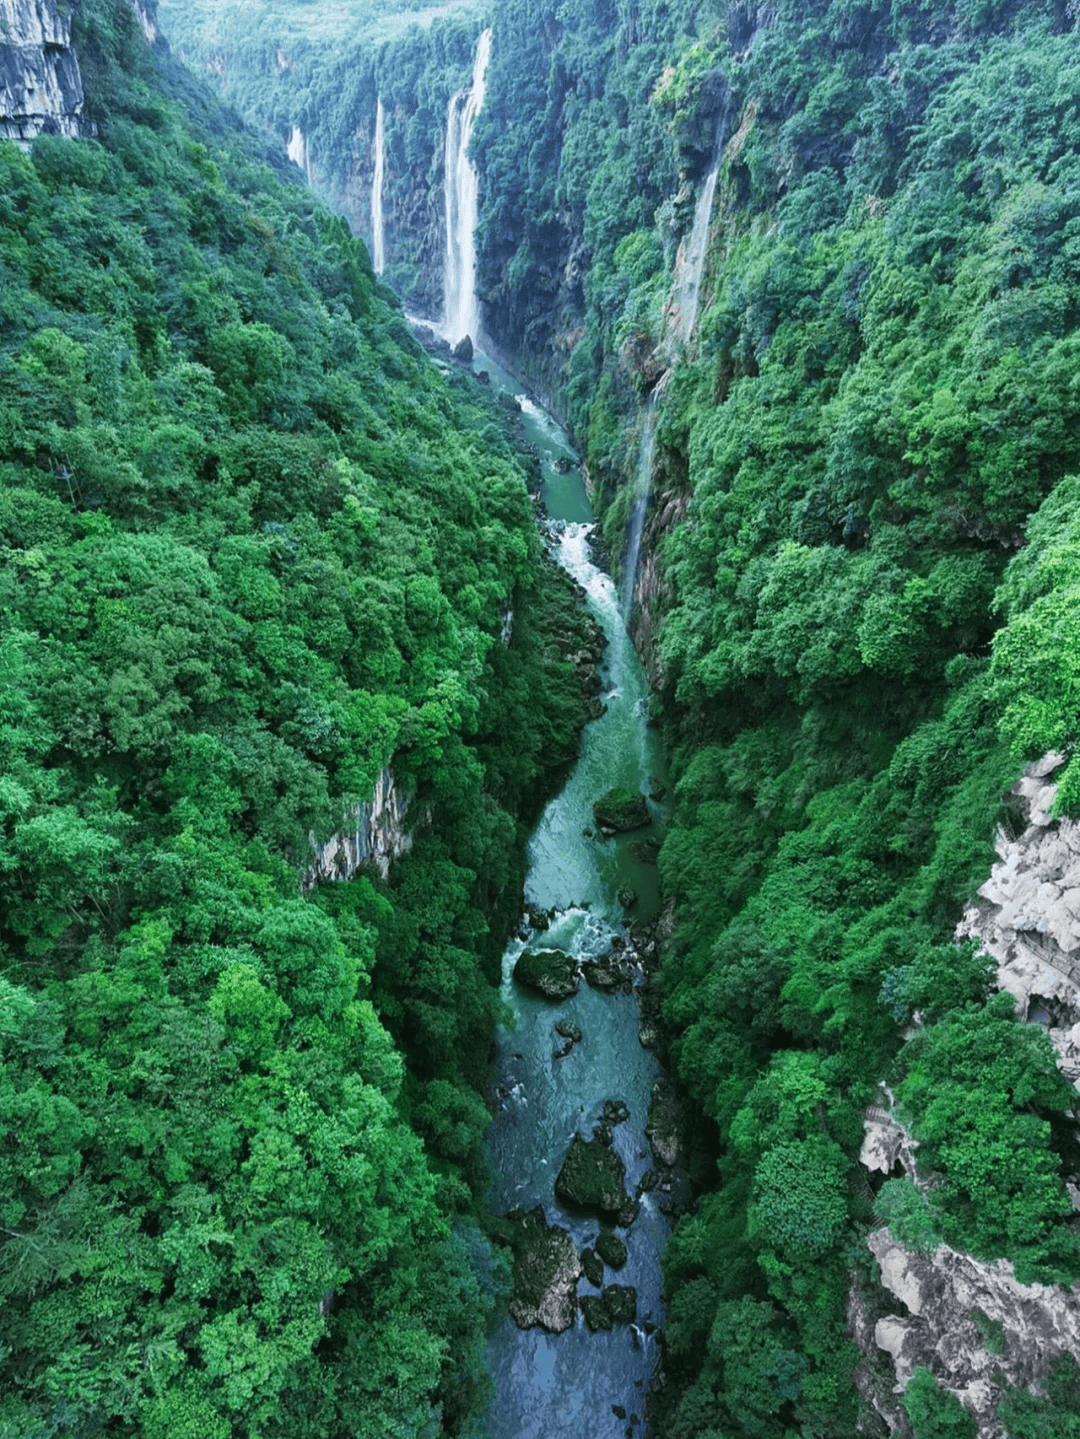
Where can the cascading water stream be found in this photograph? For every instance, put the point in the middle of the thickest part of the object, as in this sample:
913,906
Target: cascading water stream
576,1383
687,299
378,238
461,188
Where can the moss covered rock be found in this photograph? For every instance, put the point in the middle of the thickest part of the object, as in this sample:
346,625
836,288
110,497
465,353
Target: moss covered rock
611,1250
549,972
620,810
592,1177
545,1273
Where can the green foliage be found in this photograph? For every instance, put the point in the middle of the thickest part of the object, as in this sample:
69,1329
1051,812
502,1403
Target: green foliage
254,548
934,1412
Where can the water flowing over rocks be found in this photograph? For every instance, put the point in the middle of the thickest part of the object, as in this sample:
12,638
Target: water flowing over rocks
550,972
378,837
41,89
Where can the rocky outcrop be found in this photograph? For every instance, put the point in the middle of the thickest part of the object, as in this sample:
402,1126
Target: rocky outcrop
378,837
592,1177
972,1323
546,1270
1029,920
41,90
550,972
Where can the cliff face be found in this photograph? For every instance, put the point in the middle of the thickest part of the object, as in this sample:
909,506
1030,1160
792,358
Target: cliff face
377,837
41,89
971,1322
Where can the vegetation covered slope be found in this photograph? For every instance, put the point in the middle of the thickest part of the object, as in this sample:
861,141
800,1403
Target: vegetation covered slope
253,548
864,523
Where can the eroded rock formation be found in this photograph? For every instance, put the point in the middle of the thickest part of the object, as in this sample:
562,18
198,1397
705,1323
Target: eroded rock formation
41,90
972,1322
378,837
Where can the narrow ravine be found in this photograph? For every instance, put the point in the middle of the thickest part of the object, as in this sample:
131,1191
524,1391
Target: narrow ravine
578,1383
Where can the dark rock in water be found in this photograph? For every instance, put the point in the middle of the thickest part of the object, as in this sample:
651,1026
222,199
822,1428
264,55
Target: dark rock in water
537,919
611,1250
603,974
628,1213
645,851
615,1111
648,1180
463,350
545,1273
657,791
649,1036
549,971
568,1031
595,1312
593,1266
618,1411
621,1301
665,1126
563,464
602,1132
620,810
483,377
618,943
627,896
592,1177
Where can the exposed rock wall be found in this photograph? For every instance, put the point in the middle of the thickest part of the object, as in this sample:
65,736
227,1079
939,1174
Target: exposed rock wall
378,837
41,90
971,1322
1029,920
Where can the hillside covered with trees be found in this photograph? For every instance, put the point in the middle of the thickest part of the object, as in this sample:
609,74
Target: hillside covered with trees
254,547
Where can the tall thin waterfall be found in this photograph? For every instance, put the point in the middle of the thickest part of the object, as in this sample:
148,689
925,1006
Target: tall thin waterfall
642,490
686,309
462,189
298,152
378,238
694,258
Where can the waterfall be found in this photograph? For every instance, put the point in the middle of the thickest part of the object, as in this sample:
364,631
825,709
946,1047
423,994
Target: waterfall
378,239
694,258
686,309
298,152
642,490
461,188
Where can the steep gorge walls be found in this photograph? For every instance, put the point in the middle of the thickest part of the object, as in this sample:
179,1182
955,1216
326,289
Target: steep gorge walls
253,550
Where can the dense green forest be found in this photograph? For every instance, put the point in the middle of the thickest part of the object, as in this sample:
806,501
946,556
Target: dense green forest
254,548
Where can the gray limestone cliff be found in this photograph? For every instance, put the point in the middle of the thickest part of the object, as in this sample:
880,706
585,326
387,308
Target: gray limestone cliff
377,837
41,89
972,1323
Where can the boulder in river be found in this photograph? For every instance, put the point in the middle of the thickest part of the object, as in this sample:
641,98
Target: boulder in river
545,1273
611,1250
615,1111
551,972
605,974
595,1311
593,1266
628,896
664,1130
568,1031
463,350
620,810
621,1301
592,1177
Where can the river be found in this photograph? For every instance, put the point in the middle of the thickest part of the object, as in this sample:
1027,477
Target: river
567,1386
